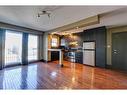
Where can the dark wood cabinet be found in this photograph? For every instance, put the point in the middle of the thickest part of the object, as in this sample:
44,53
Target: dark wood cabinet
99,36
80,38
54,55
79,57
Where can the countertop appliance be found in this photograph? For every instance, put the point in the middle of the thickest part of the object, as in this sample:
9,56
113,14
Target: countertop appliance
89,53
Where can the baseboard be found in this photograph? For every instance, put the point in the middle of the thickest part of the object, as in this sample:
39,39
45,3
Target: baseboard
109,66
42,60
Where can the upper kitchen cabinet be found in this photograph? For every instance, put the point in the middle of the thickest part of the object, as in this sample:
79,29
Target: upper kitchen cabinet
99,36
89,35
79,38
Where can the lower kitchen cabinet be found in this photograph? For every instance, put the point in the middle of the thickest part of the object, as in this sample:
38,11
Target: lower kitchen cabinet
79,57
54,55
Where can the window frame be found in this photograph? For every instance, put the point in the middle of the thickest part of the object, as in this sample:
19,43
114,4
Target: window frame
34,60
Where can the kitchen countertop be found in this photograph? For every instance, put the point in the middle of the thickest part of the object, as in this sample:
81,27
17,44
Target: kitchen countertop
55,49
74,50
67,50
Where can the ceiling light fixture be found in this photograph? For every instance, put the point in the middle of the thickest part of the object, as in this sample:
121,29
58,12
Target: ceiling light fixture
48,13
77,27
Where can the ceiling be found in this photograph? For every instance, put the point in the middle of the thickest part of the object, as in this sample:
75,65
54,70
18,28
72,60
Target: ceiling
26,16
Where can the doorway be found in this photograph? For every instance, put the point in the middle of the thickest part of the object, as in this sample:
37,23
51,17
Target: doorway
13,48
119,51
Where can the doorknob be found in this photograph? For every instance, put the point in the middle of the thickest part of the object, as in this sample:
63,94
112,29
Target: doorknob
115,51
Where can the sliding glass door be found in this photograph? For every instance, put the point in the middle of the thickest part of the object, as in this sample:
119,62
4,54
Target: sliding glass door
32,47
13,48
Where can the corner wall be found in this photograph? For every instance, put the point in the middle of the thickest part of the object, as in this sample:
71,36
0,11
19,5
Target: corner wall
45,46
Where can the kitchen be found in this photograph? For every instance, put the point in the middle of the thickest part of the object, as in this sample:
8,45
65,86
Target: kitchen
86,47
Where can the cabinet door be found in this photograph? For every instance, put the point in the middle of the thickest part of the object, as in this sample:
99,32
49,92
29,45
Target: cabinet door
89,35
86,36
79,57
79,38
100,38
54,55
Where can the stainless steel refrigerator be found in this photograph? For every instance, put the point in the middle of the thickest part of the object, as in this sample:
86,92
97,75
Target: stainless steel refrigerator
89,53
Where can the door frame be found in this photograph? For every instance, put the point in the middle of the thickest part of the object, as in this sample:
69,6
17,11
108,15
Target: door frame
32,61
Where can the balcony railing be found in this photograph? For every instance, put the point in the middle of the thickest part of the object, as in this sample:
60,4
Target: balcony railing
12,57
32,54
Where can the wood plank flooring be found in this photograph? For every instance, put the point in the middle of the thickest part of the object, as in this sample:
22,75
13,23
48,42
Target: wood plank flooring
50,76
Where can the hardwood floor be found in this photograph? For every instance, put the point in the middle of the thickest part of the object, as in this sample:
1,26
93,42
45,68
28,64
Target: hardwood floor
50,76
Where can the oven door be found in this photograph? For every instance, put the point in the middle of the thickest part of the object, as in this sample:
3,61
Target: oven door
71,56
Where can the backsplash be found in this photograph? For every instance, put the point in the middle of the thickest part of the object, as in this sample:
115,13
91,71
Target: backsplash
73,40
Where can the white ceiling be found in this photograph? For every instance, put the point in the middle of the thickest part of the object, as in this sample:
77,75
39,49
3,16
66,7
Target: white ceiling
26,16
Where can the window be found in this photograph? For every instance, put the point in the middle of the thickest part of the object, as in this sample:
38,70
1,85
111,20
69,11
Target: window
14,44
32,47
54,42
13,48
